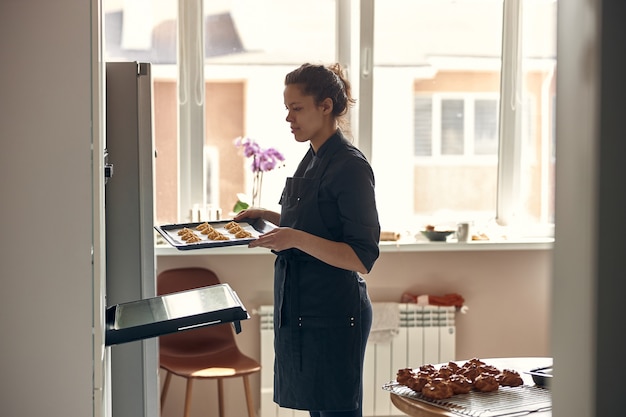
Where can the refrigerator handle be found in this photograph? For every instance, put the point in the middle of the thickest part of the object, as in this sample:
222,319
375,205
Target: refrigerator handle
108,168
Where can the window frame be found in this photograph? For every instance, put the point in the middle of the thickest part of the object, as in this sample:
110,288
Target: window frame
357,17
509,150
469,138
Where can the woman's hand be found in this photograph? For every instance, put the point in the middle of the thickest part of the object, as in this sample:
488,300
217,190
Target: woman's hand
250,213
278,239
255,213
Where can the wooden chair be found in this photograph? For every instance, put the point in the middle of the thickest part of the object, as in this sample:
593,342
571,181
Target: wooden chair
208,352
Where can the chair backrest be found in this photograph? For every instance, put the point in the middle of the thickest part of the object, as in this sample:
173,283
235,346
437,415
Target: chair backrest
181,279
204,340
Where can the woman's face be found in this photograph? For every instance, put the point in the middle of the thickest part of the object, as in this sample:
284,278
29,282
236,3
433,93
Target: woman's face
308,121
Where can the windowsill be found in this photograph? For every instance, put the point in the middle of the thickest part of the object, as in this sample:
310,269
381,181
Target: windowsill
483,245
385,247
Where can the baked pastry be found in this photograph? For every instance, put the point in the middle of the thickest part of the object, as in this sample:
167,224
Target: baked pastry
460,384
451,379
243,234
454,366
230,225
489,369
437,389
444,372
486,383
206,230
428,368
203,226
473,361
403,375
190,237
418,381
211,234
184,231
471,372
509,378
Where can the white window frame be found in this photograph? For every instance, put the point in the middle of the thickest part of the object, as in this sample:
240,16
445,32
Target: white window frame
191,103
509,157
468,156
362,78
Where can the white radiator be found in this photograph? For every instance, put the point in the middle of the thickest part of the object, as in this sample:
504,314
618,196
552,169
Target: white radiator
426,335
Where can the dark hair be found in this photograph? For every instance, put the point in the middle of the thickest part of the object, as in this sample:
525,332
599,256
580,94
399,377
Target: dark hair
323,82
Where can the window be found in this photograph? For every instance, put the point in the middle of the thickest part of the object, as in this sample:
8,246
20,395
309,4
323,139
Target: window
485,127
468,128
423,120
462,126
472,91
452,127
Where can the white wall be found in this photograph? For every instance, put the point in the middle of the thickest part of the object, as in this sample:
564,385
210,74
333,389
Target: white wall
46,211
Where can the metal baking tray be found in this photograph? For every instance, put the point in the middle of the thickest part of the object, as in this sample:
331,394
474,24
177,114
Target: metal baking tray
542,376
255,226
506,401
175,312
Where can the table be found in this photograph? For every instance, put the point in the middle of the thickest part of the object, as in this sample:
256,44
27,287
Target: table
415,408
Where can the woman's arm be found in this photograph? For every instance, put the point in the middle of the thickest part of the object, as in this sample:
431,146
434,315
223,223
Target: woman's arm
337,254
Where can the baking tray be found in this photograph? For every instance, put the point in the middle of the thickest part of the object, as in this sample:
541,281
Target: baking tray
542,376
255,226
174,312
506,401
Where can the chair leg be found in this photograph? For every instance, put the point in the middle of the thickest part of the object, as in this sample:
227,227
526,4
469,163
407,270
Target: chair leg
166,386
188,397
220,396
249,402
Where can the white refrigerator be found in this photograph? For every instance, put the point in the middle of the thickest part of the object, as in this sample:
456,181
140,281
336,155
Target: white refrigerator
129,219
134,315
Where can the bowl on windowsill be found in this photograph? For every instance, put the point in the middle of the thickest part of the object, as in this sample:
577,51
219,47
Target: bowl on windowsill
437,235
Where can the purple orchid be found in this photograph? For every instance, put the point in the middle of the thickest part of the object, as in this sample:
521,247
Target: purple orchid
263,160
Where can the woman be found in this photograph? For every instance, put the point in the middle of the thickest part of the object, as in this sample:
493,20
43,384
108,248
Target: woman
328,233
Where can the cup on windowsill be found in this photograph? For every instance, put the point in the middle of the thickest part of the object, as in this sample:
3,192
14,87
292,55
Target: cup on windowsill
463,232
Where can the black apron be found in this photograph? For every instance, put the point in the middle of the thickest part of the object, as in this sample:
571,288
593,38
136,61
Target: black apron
317,337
